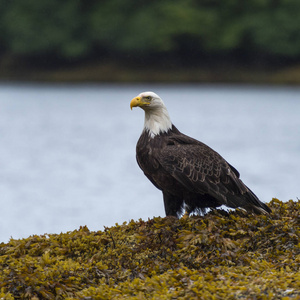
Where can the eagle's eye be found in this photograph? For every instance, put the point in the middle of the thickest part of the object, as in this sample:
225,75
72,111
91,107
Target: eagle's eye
148,97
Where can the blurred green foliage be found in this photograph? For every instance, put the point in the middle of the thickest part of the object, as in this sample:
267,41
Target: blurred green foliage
80,29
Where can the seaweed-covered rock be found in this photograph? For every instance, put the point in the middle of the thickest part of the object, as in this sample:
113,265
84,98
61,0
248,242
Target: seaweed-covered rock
222,255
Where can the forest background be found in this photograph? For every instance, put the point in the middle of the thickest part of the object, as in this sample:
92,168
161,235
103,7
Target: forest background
256,41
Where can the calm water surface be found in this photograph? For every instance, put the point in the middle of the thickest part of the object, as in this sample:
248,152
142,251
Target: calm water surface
67,155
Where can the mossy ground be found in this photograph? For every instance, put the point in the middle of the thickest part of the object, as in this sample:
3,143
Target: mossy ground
217,256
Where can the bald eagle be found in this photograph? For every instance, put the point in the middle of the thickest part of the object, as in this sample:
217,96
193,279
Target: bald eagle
191,175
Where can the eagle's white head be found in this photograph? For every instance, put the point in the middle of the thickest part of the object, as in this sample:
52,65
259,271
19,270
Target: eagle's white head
157,119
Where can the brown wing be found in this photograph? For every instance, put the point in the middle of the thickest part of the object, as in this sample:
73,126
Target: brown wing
202,170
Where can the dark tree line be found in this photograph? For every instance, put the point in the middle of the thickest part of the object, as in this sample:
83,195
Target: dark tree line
81,29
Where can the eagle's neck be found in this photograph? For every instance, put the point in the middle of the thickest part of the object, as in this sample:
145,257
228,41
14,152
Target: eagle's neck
157,121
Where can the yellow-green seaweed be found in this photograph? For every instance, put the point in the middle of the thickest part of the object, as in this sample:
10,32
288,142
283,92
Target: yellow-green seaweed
222,255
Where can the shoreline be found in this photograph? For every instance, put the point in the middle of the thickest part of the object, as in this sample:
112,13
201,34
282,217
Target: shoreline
120,73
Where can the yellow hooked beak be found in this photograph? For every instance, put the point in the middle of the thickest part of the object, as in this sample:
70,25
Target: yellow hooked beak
137,101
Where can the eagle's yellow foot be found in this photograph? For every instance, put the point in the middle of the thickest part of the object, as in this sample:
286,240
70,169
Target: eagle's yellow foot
186,215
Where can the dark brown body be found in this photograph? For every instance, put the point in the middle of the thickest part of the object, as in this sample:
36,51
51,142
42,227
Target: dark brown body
191,175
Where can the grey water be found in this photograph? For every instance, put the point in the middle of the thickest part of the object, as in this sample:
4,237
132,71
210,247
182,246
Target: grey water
67,152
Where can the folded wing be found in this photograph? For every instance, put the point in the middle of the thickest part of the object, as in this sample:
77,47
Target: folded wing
201,170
